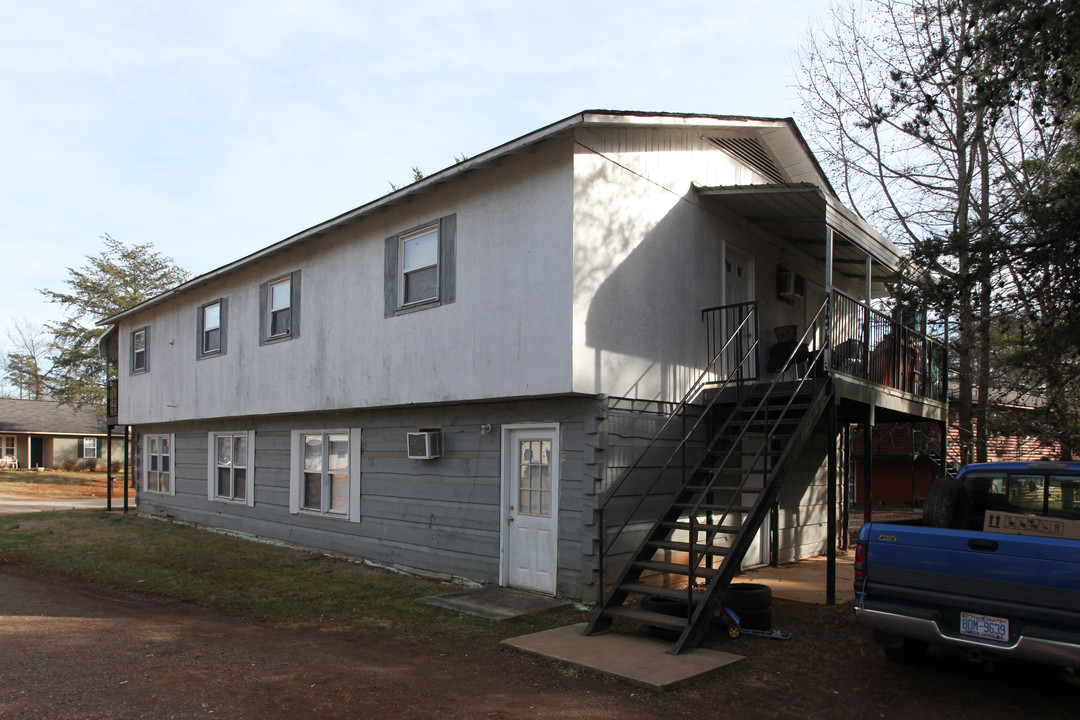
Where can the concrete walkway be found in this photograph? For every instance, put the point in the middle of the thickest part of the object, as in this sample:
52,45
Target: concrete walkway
11,504
804,580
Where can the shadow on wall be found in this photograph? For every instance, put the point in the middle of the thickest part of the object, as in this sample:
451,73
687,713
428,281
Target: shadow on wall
646,262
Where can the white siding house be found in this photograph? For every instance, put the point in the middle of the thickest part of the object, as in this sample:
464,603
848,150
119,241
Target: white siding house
538,308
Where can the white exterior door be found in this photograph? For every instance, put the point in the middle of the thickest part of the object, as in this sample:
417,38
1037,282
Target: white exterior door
738,288
530,534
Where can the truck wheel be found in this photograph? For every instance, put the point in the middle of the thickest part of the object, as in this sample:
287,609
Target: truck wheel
945,505
908,652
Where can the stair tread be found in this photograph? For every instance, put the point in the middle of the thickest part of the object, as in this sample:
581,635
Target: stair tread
718,508
700,548
671,593
673,568
648,618
740,471
702,527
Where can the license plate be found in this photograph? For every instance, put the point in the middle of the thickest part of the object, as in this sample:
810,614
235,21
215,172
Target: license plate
984,626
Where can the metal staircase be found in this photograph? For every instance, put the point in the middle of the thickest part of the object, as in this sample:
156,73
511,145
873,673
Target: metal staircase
751,432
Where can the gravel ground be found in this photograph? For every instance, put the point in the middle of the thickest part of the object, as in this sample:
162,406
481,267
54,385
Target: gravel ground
69,650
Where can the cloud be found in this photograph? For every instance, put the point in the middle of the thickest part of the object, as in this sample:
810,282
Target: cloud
214,129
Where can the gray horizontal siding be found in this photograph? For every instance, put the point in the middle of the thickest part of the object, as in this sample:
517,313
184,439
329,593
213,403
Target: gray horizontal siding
440,515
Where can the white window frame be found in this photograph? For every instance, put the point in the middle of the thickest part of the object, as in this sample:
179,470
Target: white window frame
153,459
205,329
135,369
90,447
212,467
406,270
8,446
271,308
296,474
395,272
267,308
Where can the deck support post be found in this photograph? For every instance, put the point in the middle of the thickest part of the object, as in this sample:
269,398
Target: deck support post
830,581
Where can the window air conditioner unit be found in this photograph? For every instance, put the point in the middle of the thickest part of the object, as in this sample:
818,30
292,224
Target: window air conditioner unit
790,285
425,445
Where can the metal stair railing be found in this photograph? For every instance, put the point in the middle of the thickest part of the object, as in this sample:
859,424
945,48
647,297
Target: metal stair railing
748,312
760,417
765,415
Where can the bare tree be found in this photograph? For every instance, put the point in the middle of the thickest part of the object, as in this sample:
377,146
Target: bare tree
895,96
27,363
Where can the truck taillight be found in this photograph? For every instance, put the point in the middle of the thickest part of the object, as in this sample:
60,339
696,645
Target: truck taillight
860,560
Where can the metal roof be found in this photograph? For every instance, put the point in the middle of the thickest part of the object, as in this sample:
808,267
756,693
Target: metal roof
799,214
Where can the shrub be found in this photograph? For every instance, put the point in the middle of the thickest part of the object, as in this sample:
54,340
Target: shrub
87,464
70,464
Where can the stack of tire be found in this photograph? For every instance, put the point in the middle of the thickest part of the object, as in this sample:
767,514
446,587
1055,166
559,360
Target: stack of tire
752,602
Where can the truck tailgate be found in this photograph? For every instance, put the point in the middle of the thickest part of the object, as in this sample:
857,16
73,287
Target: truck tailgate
988,570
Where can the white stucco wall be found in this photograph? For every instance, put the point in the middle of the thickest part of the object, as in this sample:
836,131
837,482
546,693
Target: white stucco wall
647,258
507,334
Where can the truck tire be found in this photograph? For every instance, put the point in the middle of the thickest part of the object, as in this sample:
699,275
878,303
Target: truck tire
946,504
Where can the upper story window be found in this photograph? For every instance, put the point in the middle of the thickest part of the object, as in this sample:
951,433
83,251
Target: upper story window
420,267
211,328
140,348
279,303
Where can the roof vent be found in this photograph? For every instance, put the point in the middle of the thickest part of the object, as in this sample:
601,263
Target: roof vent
751,152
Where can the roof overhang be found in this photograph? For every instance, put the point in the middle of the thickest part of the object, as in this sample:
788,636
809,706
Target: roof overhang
800,213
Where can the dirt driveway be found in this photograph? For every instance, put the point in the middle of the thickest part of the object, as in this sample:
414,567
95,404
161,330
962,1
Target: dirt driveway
71,650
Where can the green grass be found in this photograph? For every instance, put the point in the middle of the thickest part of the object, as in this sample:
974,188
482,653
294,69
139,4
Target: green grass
244,578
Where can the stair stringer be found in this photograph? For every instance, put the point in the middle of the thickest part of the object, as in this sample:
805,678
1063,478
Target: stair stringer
709,601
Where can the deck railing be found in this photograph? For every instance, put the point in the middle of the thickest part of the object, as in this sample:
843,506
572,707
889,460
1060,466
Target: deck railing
863,343
873,347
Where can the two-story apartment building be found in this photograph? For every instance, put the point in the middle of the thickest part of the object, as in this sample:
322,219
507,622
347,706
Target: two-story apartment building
458,375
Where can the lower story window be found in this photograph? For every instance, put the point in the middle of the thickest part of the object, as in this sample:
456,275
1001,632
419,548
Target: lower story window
158,463
230,471
322,481
89,448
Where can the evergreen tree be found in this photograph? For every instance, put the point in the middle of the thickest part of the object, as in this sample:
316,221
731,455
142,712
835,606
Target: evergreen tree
114,280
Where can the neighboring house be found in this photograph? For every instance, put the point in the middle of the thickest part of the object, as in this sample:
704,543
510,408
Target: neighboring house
45,434
459,376
907,456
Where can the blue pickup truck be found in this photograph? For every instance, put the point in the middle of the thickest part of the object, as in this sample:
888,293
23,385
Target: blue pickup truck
993,568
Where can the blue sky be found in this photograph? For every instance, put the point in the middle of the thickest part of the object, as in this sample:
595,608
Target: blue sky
215,128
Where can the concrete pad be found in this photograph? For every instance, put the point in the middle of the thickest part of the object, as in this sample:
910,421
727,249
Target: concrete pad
495,603
639,660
